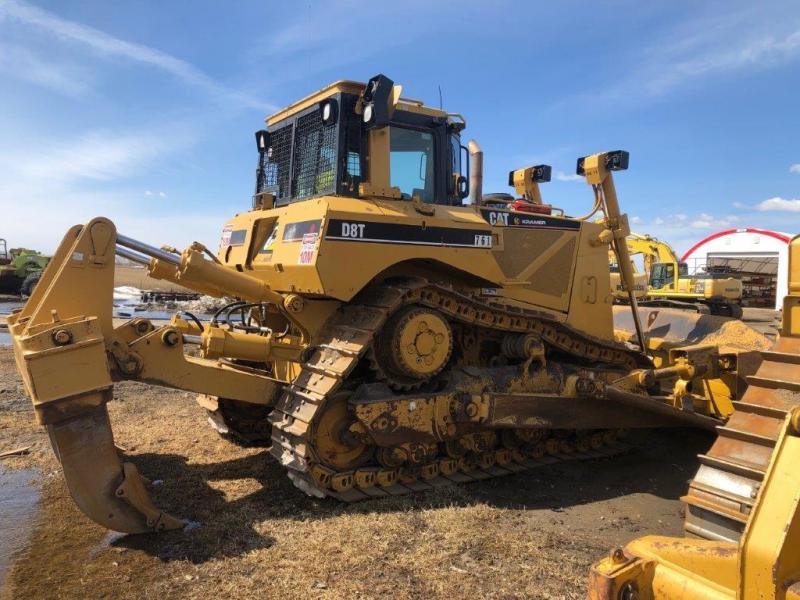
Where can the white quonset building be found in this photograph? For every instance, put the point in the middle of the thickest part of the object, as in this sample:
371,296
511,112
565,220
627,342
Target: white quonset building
758,256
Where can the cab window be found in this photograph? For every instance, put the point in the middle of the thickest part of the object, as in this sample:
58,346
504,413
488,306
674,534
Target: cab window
663,274
455,155
411,162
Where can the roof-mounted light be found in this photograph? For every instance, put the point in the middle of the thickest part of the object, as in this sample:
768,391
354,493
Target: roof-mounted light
329,110
262,140
614,160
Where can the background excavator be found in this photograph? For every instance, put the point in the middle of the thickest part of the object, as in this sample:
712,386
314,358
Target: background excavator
668,282
387,336
745,499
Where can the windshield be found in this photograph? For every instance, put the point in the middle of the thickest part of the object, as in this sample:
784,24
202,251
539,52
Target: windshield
411,163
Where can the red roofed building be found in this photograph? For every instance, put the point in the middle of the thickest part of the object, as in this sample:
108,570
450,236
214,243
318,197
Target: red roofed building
760,257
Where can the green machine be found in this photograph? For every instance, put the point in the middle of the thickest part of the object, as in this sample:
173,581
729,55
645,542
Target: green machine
20,269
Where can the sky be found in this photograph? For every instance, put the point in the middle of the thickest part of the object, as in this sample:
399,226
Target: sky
144,112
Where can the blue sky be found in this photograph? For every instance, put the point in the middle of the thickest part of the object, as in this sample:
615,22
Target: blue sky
144,112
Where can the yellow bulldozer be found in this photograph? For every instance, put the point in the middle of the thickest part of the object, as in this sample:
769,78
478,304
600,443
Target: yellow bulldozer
393,330
744,500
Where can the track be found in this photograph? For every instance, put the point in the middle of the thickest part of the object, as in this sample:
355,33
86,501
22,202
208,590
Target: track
722,494
347,338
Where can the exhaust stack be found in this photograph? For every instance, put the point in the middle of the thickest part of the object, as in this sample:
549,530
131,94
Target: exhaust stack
475,173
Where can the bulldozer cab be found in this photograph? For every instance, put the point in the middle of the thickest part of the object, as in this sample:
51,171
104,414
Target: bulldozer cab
351,139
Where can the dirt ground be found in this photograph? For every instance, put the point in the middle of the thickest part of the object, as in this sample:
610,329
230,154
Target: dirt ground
531,535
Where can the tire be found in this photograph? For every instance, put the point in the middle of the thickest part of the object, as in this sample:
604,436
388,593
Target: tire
30,283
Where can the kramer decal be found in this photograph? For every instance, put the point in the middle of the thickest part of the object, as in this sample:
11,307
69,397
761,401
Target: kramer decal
498,218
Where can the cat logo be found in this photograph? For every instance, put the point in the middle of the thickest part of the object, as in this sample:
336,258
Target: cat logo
498,218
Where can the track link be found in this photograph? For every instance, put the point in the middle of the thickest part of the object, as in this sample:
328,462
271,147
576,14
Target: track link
346,338
723,491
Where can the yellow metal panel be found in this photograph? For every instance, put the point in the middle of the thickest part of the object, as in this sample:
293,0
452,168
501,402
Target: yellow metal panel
348,87
68,371
770,555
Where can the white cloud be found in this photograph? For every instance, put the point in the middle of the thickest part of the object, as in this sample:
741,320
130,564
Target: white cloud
753,39
681,222
740,205
702,224
62,77
87,175
636,220
779,204
561,176
711,54
795,168
707,221
97,155
109,46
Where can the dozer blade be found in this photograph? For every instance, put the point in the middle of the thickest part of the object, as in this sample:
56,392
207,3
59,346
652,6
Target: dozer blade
108,491
667,328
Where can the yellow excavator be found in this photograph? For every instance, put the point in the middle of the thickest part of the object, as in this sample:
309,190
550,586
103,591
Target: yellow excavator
745,499
640,287
669,284
393,329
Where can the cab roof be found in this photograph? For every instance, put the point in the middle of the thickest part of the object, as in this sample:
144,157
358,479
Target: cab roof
348,87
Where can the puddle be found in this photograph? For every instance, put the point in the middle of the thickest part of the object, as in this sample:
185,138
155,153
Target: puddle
5,309
18,498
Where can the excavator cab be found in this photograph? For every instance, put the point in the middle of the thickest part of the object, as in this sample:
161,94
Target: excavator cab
662,275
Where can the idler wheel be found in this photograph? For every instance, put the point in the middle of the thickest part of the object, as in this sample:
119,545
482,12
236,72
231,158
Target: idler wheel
334,442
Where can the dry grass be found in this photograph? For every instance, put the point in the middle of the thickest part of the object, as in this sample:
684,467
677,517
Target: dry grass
527,536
